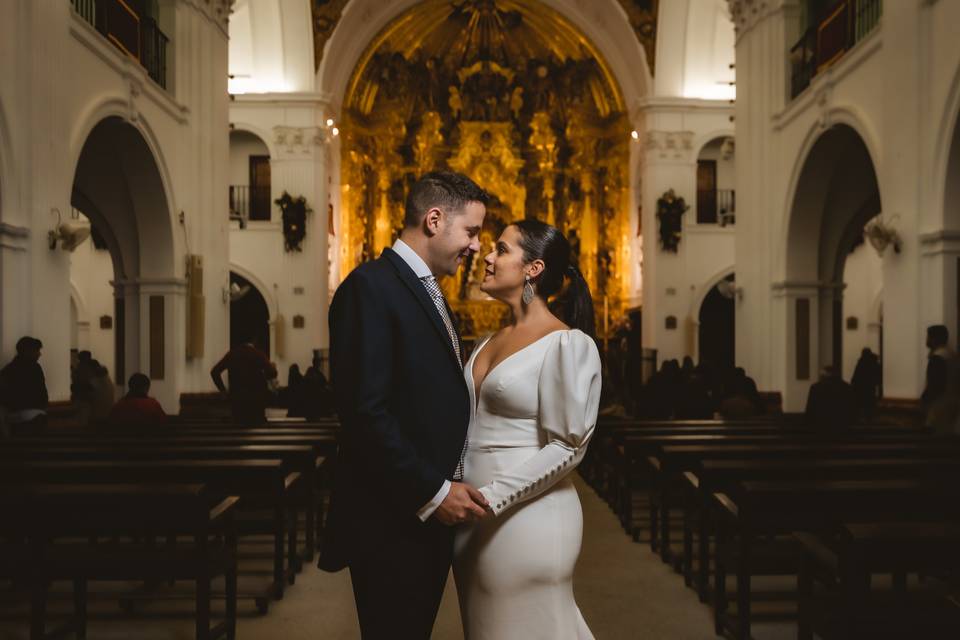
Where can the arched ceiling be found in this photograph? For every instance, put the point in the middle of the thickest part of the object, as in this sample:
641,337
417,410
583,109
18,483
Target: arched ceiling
511,36
642,15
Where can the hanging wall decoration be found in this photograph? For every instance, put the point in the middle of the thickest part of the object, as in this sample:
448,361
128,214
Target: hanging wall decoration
294,215
670,210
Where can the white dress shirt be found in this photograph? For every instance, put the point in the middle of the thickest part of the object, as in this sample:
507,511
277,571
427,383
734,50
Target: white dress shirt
421,270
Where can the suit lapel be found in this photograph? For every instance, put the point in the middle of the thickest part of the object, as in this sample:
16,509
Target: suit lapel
409,278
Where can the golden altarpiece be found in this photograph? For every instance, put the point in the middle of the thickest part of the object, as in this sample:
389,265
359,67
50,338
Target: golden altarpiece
517,98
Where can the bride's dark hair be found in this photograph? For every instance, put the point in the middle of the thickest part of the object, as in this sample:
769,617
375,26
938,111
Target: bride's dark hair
574,305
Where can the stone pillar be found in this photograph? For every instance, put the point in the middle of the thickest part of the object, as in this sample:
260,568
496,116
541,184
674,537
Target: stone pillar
667,163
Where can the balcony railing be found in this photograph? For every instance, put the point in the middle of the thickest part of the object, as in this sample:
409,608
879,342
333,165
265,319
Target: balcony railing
249,203
137,36
849,22
716,206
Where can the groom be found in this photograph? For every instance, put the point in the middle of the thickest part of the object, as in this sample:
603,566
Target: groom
396,364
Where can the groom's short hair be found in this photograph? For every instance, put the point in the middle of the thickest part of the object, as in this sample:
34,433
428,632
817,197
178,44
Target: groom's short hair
444,190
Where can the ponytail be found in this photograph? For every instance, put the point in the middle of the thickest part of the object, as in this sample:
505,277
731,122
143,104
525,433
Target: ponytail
576,303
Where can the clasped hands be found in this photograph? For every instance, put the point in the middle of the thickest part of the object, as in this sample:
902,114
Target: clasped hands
463,504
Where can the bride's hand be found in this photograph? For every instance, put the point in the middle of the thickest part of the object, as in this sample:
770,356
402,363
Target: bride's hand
463,504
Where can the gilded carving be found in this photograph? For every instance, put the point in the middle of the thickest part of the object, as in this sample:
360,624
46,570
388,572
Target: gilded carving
642,15
326,15
513,96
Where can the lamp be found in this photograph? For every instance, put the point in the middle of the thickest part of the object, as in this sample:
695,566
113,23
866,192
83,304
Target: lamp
881,234
70,235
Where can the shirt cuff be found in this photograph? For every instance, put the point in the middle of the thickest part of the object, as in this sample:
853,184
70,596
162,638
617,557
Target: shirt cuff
427,510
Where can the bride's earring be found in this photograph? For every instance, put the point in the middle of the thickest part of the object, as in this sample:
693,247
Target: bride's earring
528,292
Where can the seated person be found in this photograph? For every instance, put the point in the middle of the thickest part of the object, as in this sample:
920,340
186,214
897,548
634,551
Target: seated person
137,408
831,403
23,388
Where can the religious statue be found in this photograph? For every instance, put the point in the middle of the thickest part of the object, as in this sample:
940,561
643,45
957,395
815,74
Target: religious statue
294,215
670,210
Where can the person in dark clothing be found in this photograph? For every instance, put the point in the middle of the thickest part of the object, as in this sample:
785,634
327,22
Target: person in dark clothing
137,409
866,383
831,403
248,371
939,397
23,387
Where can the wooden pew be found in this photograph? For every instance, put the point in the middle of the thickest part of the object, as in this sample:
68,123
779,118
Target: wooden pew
760,510
260,484
673,459
712,476
849,608
303,459
45,516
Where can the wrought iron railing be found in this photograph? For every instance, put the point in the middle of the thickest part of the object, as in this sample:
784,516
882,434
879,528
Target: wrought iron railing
137,36
716,206
848,22
726,206
249,203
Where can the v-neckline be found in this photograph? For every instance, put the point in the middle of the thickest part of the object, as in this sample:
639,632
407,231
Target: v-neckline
477,388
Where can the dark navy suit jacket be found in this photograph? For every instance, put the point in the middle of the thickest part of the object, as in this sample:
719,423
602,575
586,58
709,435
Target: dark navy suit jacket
402,402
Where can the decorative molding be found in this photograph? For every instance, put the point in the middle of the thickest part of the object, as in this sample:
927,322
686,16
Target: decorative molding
216,11
746,14
669,145
300,140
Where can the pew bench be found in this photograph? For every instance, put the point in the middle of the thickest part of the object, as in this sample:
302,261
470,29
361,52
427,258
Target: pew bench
47,518
835,594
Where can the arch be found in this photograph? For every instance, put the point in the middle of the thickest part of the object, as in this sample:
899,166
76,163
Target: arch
6,166
118,107
848,116
716,338
701,293
260,286
701,141
264,137
607,27
250,317
836,193
947,157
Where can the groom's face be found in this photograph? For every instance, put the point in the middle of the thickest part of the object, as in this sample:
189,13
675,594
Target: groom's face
457,239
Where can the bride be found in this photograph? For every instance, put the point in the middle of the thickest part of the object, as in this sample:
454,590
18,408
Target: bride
534,389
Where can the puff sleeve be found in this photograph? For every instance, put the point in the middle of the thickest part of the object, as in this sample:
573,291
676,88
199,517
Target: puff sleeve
569,397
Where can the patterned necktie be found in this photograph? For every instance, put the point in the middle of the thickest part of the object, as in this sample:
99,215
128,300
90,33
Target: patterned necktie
433,288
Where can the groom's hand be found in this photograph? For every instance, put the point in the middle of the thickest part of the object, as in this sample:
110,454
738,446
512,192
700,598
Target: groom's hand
462,504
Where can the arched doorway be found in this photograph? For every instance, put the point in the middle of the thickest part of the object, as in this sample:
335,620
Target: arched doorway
250,178
118,187
249,314
716,329
836,195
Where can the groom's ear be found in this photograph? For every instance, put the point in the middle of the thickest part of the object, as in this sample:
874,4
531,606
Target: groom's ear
432,221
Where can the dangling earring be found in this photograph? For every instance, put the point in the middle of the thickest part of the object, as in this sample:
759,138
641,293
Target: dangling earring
528,292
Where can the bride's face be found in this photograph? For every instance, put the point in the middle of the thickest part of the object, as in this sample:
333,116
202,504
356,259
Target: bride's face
505,268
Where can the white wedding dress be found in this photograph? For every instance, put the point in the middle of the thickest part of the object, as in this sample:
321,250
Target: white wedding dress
529,429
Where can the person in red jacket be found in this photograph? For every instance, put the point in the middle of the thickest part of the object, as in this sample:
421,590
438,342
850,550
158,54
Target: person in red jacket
137,408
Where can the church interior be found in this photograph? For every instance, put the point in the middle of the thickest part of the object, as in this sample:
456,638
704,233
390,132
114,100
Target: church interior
762,195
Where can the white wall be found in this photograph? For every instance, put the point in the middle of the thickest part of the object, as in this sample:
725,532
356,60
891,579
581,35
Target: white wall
904,118
60,78
863,277
91,272
271,47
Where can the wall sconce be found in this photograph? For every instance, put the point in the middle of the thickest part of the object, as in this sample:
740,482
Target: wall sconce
70,235
881,234
729,289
